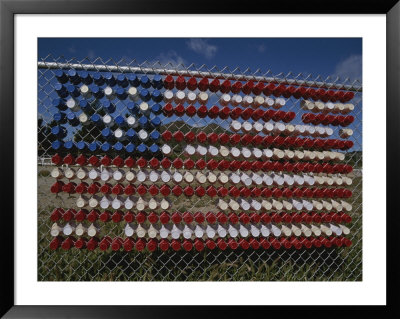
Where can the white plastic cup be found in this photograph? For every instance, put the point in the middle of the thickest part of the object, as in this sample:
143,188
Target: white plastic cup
224,99
168,96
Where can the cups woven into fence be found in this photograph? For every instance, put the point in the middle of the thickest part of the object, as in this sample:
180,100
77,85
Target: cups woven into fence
165,177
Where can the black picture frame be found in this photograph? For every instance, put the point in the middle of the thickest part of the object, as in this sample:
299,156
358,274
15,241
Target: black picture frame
8,10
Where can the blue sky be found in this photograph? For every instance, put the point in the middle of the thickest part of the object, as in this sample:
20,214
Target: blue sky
326,57
317,56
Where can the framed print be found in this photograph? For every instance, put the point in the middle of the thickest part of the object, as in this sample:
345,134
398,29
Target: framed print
167,160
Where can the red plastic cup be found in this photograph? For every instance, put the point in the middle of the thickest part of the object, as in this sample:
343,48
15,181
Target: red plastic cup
116,243
180,83
152,218
268,89
57,187
81,215
187,217
105,216
55,243
168,110
233,218
105,243
203,85
210,244
68,243
141,189
175,244
128,244
188,163
164,218
244,218
151,245
233,244
153,190
213,112
221,244
285,243
169,82
222,218
129,190
154,163
199,217
176,218
117,216
200,191
225,112
163,244
198,244
192,84
56,159
129,217
140,244
214,85
69,214
211,218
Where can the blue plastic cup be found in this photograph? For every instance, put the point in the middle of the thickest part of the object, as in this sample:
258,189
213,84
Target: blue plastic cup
144,122
120,121
98,79
110,79
97,92
72,119
96,119
155,136
81,145
108,106
154,149
133,80
118,146
61,76
105,147
122,80
156,109
156,122
131,135
145,82
69,145
73,90
74,77
121,93
85,106
56,145
94,146
142,149
157,82
85,77
130,148
60,118
61,90
59,131
59,104
107,133
133,107
156,96
144,95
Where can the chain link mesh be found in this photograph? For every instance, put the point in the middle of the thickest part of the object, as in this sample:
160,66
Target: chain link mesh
315,264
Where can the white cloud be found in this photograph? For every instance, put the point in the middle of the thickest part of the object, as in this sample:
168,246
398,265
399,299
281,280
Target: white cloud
91,55
72,49
261,48
350,68
202,47
170,57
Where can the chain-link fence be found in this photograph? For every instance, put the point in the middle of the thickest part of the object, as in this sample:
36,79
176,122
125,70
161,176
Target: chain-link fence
201,194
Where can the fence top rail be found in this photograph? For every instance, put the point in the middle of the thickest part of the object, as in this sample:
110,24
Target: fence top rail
194,73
